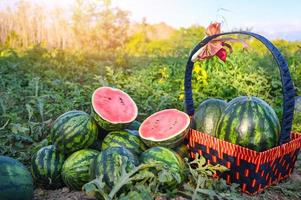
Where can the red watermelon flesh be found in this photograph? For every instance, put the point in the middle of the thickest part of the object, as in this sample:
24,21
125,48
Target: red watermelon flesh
114,105
164,125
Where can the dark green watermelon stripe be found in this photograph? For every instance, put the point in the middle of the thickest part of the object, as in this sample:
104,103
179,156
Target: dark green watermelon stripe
104,166
161,156
59,124
125,139
260,121
55,163
82,140
48,159
74,128
41,161
166,162
84,160
35,170
112,166
247,116
272,140
242,114
233,115
130,144
67,142
120,134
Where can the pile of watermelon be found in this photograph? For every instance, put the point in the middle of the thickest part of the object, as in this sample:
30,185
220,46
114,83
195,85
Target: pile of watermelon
88,146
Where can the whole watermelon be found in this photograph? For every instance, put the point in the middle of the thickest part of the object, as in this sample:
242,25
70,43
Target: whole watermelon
75,171
46,165
297,115
73,130
208,114
249,122
109,164
124,139
173,163
15,180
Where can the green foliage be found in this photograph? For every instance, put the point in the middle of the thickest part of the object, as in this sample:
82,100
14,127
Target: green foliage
201,185
142,183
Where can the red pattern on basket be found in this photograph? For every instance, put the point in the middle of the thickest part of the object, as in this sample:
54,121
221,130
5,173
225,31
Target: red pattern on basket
242,152
275,156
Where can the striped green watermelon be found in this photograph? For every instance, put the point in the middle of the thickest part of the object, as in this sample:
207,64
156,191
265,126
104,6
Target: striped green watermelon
15,180
46,165
208,114
249,122
75,171
165,128
108,163
172,162
113,109
297,115
125,139
73,130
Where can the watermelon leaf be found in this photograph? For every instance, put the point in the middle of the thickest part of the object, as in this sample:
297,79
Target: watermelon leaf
96,188
165,176
99,189
203,186
128,177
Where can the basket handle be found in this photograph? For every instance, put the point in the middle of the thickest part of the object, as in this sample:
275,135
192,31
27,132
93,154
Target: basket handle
287,83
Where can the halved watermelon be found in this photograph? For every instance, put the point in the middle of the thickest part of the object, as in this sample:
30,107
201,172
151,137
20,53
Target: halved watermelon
113,109
165,128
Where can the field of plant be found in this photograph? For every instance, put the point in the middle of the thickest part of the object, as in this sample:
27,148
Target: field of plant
42,77
38,84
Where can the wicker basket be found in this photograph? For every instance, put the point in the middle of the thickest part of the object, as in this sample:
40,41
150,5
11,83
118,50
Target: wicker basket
253,170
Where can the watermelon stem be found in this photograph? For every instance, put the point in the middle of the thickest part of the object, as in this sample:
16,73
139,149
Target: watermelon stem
96,187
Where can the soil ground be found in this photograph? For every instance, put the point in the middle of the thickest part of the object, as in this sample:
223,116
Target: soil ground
279,193
66,194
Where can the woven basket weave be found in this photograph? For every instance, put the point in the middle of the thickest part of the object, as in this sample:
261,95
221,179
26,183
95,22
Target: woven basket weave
253,170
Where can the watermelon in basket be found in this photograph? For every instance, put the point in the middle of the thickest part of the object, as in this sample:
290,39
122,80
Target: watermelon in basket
254,165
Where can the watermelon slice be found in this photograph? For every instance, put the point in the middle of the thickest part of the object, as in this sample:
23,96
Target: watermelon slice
165,128
113,109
